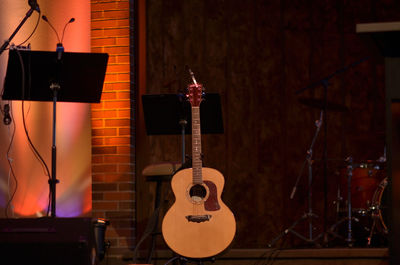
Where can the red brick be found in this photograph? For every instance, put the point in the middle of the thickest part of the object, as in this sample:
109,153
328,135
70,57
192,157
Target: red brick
117,140
112,196
95,106
109,205
98,214
104,150
112,59
124,113
117,159
123,41
124,150
110,77
126,186
119,14
125,176
97,196
98,178
124,77
104,132
118,86
97,15
118,123
105,187
116,50
119,68
104,168
103,42
97,141
120,214
97,49
96,159
123,59
124,131
97,124
125,168
126,205
108,96
123,5
116,32
105,114
103,6
117,104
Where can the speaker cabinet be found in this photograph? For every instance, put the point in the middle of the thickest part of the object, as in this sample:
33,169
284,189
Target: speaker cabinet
45,241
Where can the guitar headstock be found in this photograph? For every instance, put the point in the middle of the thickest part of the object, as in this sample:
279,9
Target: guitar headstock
195,94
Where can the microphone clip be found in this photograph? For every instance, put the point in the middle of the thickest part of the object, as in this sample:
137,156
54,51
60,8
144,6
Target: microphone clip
59,50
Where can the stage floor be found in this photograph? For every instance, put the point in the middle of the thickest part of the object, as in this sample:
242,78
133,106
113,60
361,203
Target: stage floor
309,256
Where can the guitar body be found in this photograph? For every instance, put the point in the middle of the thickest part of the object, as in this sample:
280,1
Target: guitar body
198,224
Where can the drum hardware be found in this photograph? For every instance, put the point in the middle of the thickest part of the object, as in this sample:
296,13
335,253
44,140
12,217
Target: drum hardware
377,211
309,215
349,218
364,205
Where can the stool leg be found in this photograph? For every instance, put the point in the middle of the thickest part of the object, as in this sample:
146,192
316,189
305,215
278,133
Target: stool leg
154,232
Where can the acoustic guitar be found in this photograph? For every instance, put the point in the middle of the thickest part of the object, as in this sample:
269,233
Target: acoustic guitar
198,224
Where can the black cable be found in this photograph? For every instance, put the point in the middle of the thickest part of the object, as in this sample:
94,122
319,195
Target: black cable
31,145
34,30
171,260
11,167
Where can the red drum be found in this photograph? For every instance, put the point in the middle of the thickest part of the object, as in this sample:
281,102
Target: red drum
366,177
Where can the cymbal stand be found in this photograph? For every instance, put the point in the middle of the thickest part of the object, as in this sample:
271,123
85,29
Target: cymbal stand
309,215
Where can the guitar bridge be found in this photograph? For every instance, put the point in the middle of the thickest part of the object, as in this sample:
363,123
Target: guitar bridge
198,218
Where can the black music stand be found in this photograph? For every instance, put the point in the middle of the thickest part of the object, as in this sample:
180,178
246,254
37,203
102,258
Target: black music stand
168,114
51,76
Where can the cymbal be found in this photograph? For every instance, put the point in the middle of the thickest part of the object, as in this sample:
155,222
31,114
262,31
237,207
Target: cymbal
319,104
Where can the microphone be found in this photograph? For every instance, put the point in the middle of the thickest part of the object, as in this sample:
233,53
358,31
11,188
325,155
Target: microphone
34,5
60,47
48,22
69,22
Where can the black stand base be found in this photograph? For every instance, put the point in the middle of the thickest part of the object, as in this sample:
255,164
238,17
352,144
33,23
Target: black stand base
290,229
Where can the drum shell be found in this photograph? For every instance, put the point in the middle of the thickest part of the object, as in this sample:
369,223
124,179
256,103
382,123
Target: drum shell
364,181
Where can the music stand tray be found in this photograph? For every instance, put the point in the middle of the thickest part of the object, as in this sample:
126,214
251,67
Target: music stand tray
80,76
163,114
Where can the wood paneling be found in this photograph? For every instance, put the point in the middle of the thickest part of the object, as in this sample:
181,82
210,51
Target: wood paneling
257,54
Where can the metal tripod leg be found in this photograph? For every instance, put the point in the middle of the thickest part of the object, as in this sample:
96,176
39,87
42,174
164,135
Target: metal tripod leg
307,216
291,230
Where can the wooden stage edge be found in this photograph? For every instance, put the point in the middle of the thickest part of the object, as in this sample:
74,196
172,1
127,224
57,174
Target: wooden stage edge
312,256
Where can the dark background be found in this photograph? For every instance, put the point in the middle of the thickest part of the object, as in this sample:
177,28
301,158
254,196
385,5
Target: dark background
256,55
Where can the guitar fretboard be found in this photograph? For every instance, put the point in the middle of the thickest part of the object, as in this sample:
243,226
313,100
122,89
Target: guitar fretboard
196,146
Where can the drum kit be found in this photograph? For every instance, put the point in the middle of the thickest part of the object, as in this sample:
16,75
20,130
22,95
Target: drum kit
362,197
361,201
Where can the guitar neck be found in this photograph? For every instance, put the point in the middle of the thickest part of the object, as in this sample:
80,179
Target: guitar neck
196,146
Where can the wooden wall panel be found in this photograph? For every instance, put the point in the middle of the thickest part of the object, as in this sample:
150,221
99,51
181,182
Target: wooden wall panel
257,54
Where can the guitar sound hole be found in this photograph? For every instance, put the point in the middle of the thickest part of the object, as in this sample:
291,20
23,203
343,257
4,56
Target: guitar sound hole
197,192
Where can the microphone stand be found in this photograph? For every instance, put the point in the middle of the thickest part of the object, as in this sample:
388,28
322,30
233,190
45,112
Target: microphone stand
309,215
7,42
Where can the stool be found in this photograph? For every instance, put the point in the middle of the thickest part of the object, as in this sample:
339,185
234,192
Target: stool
158,173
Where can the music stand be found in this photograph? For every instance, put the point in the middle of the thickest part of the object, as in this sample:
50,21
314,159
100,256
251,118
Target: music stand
47,76
168,114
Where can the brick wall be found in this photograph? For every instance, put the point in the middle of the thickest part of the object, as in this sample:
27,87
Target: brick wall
112,125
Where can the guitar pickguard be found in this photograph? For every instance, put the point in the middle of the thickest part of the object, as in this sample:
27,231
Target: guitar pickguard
211,204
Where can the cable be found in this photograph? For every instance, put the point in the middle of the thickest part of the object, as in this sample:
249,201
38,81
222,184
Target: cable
32,146
9,160
34,30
